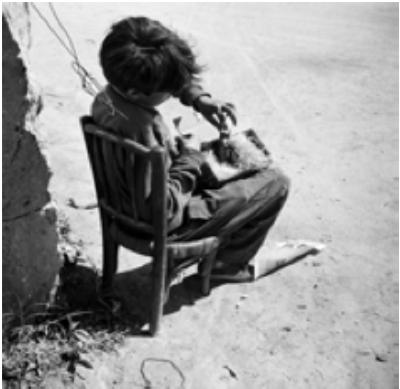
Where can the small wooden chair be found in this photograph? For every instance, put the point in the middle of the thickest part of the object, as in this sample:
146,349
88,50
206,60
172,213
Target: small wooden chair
119,228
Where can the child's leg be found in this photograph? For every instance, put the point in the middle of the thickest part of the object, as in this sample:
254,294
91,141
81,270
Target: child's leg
242,245
240,252
243,233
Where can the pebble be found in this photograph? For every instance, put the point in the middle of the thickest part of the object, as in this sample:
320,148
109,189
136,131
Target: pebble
381,357
231,371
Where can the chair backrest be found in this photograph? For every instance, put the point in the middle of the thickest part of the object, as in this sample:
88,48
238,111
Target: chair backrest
105,152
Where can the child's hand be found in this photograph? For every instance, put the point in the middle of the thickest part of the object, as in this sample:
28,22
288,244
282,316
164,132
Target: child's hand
188,141
215,111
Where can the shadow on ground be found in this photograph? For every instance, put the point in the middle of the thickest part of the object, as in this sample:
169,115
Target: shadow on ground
130,302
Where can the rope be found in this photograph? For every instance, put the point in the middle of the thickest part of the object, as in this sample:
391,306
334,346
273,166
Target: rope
72,53
147,381
88,82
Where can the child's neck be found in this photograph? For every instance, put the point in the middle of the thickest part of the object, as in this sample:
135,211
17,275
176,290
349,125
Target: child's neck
150,100
133,100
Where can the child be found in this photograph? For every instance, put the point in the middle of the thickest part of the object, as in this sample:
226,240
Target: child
145,63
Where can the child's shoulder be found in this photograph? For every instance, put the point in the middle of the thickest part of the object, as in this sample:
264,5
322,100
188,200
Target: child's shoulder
108,101
122,117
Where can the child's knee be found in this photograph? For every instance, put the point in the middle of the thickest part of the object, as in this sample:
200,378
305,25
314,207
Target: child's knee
280,182
284,183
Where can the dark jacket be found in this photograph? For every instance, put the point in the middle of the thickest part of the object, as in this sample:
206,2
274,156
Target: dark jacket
146,126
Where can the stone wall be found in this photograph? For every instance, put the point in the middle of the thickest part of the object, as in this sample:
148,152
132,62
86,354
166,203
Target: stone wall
30,261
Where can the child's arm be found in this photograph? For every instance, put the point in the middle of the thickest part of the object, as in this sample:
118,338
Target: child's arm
213,110
183,176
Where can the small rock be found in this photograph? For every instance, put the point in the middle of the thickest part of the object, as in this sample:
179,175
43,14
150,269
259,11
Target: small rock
231,372
287,328
381,356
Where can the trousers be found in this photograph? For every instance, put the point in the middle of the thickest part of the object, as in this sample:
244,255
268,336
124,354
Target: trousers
242,212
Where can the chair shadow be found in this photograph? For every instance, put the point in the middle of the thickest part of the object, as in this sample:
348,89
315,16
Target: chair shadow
79,291
132,289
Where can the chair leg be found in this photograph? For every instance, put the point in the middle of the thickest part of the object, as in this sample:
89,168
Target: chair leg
110,261
159,276
205,269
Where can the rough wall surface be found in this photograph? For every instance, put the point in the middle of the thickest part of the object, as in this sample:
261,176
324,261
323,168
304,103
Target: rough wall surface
29,219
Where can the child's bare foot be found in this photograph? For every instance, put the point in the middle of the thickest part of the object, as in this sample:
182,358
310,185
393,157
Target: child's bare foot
281,254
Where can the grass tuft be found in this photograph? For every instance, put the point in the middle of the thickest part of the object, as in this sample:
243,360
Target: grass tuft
44,341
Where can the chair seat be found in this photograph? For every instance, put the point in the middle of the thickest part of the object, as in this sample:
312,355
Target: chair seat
176,250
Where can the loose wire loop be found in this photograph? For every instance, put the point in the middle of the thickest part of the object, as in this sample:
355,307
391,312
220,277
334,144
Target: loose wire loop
147,381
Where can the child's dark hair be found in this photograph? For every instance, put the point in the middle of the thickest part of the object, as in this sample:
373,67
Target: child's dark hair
141,53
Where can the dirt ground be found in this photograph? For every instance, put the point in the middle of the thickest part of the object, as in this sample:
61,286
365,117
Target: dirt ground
319,83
